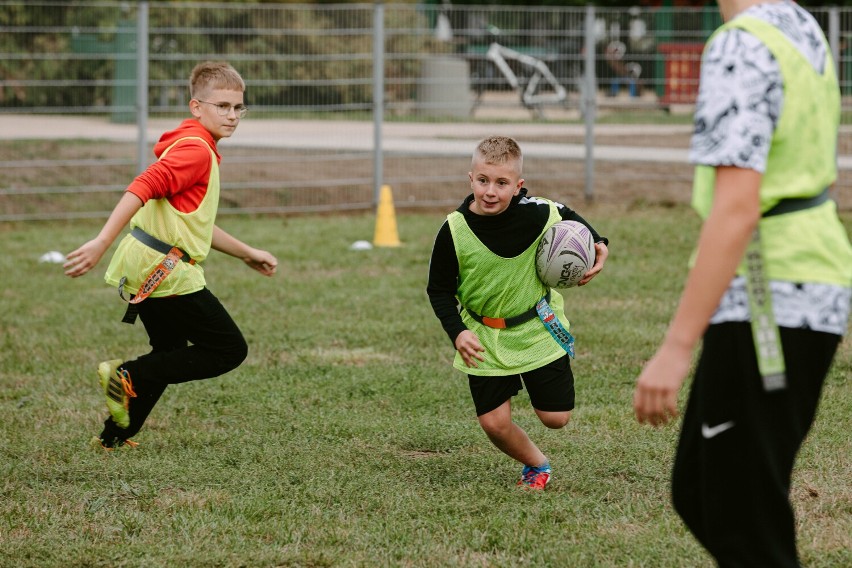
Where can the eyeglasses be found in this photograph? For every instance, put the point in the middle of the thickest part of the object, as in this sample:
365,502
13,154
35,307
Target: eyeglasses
224,109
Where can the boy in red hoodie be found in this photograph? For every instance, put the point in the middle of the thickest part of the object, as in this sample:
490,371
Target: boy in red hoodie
171,208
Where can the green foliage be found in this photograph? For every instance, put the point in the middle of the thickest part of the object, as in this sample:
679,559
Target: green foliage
617,3
346,439
292,56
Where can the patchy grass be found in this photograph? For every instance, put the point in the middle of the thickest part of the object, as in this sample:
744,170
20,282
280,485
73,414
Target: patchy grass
346,438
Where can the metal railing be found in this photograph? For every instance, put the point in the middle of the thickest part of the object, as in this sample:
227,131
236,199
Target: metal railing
347,97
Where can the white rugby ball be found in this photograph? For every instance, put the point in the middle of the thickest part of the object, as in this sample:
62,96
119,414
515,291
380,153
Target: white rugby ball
565,253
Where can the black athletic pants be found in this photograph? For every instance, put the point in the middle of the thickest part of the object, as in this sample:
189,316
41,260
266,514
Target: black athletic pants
738,443
192,337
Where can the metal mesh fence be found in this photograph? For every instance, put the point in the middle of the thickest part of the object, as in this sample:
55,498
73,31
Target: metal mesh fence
344,97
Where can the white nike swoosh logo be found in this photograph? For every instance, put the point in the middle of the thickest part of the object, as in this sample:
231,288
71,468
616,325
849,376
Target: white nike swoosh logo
710,432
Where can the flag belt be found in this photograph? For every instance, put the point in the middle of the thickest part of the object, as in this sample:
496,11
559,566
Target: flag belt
503,323
791,204
164,268
764,330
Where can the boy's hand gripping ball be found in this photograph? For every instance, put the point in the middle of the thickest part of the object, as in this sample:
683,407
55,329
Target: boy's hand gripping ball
565,253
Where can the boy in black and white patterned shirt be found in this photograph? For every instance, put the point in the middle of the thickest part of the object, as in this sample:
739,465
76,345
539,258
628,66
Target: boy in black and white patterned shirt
765,137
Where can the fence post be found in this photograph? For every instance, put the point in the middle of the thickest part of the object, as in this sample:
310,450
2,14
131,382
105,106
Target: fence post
378,97
834,36
142,86
590,92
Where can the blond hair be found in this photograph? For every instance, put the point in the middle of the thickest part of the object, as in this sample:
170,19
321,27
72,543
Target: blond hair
499,150
211,75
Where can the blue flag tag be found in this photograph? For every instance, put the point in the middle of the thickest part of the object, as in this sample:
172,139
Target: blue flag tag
555,327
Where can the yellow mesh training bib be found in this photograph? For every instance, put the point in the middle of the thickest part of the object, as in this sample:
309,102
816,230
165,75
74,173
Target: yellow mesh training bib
192,232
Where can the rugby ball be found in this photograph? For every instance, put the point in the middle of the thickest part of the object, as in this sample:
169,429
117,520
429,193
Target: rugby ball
564,254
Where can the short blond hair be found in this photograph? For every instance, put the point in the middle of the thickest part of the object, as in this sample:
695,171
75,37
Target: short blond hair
499,150
210,75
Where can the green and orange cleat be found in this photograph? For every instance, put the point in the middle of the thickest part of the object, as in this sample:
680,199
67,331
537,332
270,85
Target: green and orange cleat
110,446
118,390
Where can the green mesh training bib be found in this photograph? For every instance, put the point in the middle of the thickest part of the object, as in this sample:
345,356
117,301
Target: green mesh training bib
498,287
809,245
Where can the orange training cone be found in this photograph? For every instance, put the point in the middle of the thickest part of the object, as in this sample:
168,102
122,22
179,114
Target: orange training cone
386,233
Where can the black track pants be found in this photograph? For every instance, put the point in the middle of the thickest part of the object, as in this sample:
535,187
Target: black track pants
192,337
731,479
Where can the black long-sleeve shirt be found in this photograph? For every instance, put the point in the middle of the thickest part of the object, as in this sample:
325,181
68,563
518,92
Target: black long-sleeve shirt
508,234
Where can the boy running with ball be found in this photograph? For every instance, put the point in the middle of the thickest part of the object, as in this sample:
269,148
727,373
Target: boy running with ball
484,288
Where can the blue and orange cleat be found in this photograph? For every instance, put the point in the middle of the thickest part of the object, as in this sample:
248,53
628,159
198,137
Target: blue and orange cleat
535,477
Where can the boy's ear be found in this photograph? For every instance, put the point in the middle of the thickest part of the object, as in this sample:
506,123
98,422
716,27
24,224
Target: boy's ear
195,108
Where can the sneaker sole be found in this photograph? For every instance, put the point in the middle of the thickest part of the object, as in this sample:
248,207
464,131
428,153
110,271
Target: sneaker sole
114,392
97,444
527,486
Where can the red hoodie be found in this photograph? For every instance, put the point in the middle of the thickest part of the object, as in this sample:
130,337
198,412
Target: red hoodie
182,175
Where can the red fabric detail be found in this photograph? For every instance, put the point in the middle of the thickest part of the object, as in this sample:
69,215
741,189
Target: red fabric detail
183,174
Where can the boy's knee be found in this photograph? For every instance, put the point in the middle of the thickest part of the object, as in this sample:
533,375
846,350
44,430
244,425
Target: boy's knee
239,354
555,420
233,356
494,427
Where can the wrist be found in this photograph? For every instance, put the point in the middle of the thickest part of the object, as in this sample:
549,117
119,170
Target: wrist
103,241
678,343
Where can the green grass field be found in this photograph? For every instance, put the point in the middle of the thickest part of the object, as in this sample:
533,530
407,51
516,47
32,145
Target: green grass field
346,438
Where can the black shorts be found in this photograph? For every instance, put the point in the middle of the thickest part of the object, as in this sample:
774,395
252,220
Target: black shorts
551,388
